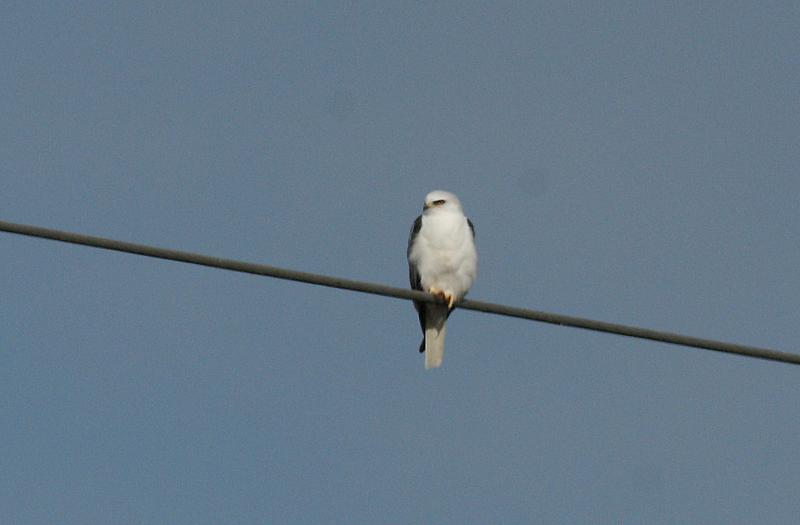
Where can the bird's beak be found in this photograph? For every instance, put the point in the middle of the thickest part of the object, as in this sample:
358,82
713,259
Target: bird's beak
426,205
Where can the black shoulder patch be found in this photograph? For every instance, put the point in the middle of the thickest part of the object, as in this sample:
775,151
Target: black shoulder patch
414,232
417,225
471,227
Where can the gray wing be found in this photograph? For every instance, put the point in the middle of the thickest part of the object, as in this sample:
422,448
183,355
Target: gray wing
414,278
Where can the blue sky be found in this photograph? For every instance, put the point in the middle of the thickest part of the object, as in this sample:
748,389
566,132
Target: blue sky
630,163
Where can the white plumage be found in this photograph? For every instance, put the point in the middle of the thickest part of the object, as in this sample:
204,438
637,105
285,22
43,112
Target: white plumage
442,260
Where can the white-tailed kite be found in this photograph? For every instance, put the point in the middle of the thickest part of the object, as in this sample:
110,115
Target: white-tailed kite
441,261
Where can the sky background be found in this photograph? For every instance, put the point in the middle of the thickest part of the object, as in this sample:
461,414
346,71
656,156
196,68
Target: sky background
625,162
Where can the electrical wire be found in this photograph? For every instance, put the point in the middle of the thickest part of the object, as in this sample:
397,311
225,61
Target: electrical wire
399,293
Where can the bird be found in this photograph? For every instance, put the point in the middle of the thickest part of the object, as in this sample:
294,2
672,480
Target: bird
442,261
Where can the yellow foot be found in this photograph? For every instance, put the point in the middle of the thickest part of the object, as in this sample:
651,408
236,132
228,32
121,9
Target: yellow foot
450,299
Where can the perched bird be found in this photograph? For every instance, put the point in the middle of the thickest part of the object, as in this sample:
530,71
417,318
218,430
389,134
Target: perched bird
441,261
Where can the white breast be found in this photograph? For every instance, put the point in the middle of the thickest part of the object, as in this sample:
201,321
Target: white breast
444,253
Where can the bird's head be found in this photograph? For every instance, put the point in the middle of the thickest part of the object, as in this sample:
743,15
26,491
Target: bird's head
441,200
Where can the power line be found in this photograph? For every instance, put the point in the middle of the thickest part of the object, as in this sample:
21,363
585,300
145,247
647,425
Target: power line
400,293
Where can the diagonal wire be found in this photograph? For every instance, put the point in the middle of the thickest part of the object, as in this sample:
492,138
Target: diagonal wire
400,293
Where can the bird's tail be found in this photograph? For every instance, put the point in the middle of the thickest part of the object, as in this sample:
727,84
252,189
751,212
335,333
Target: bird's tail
435,318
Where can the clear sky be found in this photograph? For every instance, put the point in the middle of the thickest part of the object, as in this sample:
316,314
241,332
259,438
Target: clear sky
625,162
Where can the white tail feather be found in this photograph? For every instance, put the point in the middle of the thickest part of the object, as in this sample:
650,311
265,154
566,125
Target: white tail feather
435,317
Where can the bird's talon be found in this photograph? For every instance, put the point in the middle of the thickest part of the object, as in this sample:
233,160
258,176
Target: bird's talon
447,298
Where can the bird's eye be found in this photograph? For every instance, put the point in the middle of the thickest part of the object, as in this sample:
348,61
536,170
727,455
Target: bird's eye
439,202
